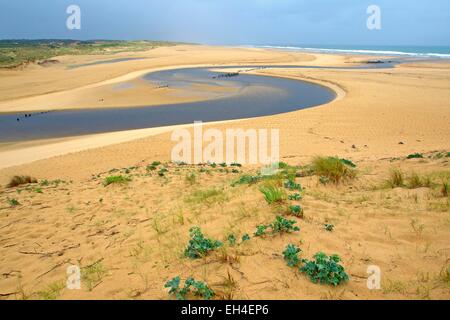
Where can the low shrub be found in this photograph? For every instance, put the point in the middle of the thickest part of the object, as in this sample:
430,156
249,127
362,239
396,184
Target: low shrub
296,210
324,269
279,226
198,288
20,180
290,255
199,246
295,197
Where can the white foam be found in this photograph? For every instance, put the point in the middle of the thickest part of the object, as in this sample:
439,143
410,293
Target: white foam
362,51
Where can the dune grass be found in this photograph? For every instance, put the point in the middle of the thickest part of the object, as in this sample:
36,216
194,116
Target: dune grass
333,169
116,180
273,194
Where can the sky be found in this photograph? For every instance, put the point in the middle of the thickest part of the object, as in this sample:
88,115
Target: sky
233,22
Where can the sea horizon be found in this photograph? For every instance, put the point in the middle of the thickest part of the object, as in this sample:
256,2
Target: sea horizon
390,50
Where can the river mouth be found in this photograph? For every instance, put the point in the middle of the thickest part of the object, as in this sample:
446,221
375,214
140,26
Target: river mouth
253,96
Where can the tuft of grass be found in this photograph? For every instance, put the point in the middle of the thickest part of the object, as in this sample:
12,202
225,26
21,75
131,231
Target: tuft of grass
333,168
93,274
246,179
52,292
273,194
20,180
207,196
396,178
116,180
13,202
191,178
445,188
416,181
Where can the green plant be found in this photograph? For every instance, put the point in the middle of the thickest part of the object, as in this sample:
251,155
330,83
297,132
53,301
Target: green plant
20,180
291,185
415,156
38,190
324,269
296,210
333,168
282,225
260,230
328,227
199,246
116,180
246,179
150,167
348,163
162,172
231,239
201,289
295,197
291,255
278,226
12,202
235,164
273,194
245,237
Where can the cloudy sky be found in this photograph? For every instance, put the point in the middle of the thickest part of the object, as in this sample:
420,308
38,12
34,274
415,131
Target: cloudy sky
320,22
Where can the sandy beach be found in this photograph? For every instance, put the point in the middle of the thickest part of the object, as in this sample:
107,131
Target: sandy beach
135,233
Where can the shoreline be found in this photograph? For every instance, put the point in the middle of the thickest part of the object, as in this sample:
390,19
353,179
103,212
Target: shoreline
340,81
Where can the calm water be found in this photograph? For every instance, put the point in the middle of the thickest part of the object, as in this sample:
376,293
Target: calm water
257,96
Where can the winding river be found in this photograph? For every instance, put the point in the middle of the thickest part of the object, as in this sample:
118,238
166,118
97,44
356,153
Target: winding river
252,96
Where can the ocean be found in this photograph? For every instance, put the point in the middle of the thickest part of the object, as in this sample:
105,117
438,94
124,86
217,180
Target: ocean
433,52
